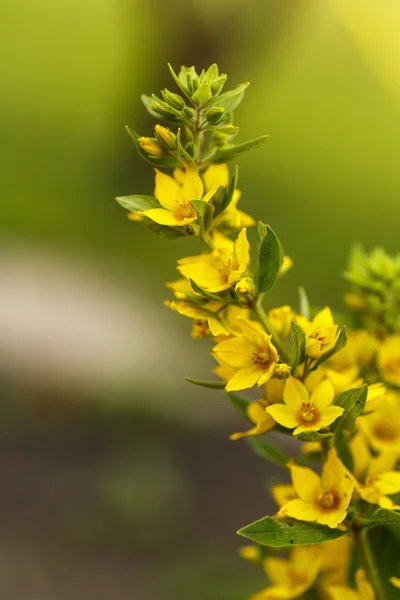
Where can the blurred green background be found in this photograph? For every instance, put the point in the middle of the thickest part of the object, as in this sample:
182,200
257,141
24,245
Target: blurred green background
118,479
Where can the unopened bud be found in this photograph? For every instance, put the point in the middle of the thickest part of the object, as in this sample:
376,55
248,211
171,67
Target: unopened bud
245,286
173,100
214,115
166,138
282,371
151,146
218,84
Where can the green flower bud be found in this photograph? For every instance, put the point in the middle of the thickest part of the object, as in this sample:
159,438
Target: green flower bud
218,84
173,100
166,138
215,114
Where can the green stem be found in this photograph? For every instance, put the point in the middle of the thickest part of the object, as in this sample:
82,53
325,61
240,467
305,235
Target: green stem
368,563
279,345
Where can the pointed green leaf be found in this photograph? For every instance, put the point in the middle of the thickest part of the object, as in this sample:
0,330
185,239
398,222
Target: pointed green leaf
340,343
284,533
304,309
230,190
267,450
343,450
149,106
270,261
183,154
137,203
196,288
313,436
298,351
203,212
228,152
353,401
202,94
213,385
383,559
231,100
179,82
384,516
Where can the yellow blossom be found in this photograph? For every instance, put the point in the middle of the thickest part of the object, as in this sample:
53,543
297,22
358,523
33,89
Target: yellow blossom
245,286
151,146
321,332
364,589
335,558
281,319
282,493
395,581
231,218
311,447
251,354
250,553
389,360
174,195
381,428
322,499
165,136
304,412
374,477
220,269
291,577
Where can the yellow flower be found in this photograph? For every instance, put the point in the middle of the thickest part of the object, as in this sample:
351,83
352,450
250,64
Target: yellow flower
322,499
282,493
374,477
256,411
364,590
321,332
303,412
381,428
231,218
151,146
219,270
281,320
174,195
291,577
389,360
251,354
251,553
335,559
395,581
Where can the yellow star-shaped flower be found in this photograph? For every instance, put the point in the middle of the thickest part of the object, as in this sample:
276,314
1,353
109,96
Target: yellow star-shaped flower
304,412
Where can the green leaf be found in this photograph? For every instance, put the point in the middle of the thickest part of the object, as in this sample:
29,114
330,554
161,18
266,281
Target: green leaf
202,94
343,450
179,83
196,288
228,152
304,309
313,436
353,401
203,212
340,343
158,161
169,233
183,154
270,261
231,100
284,533
213,385
384,559
230,190
148,102
298,351
269,451
239,403
137,203
384,516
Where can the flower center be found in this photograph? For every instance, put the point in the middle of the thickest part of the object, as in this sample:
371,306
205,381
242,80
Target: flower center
308,413
261,357
184,211
297,578
385,431
328,500
392,366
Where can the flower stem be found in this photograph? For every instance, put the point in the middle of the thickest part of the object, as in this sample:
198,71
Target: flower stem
368,563
263,319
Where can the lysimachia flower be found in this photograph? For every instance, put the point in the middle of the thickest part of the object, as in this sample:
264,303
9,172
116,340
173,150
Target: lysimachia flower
281,319
395,581
364,590
389,360
322,499
321,333
374,477
174,195
282,493
220,269
303,412
291,577
335,559
231,218
381,428
251,355
256,411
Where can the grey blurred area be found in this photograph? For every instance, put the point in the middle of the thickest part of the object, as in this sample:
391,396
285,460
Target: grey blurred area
118,477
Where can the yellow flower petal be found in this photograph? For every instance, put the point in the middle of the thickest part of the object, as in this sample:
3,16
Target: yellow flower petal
244,379
333,471
192,186
305,482
235,352
340,592
165,217
167,190
389,483
216,175
277,570
242,250
301,510
329,415
294,393
323,395
284,415
205,276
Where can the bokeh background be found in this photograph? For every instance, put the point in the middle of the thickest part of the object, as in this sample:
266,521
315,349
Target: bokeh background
117,477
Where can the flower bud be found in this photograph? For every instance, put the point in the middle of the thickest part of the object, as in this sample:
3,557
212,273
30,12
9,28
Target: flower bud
215,114
245,286
218,84
166,138
282,371
151,146
173,100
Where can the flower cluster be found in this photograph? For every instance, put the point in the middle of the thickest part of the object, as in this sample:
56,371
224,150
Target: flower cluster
331,383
